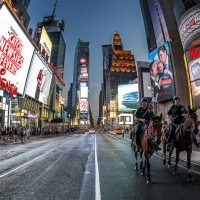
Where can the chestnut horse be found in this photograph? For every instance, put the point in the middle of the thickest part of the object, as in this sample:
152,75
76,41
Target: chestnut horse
183,140
150,139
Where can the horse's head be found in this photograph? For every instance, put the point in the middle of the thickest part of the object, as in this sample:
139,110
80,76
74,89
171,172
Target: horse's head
193,118
157,128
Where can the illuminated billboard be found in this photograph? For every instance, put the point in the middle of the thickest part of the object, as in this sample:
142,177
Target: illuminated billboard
128,97
45,42
162,81
39,80
83,105
83,77
15,54
194,71
84,92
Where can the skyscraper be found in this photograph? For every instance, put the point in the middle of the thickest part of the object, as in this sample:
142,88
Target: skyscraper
20,7
81,52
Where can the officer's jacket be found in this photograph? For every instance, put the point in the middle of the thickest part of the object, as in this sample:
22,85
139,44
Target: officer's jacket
176,112
144,114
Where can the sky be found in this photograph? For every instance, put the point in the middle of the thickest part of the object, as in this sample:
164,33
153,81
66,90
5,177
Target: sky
94,21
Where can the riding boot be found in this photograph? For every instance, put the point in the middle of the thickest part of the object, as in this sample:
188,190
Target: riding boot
195,141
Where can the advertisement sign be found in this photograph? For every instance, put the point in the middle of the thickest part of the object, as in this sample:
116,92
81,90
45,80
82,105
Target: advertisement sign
83,115
194,71
45,42
39,80
15,54
189,27
83,77
125,119
84,68
83,105
83,60
128,97
84,92
162,81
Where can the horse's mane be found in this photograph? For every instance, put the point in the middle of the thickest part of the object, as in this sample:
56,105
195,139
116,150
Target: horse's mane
156,118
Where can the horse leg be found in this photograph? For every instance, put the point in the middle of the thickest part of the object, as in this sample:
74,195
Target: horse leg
136,162
177,159
189,176
148,169
141,160
144,166
164,153
170,155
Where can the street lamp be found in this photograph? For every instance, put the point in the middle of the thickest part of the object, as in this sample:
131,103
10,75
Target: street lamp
154,97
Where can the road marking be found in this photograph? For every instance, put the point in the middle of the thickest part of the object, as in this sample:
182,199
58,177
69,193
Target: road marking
27,163
179,165
97,182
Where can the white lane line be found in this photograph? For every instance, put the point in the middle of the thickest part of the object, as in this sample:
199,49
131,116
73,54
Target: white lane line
27,163
97,182
179,165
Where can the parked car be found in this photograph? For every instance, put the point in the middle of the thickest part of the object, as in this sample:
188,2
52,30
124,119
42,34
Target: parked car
130,98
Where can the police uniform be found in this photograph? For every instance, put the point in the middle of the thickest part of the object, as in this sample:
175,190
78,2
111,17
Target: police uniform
176,112
142,113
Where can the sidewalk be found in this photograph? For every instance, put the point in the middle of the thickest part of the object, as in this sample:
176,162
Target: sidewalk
195,158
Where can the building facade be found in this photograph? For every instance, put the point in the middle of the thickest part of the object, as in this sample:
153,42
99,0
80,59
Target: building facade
187,15
166,34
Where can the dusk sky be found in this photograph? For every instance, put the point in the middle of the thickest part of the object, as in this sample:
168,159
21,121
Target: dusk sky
94,21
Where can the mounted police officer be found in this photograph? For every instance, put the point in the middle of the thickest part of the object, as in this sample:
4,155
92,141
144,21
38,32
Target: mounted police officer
177,114
142,115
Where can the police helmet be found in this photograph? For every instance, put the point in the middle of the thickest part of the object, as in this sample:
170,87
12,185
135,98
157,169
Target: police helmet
144,99
176,97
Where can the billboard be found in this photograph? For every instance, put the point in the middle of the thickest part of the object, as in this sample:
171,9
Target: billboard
162,81
189,27
83,105
45,42
194,72
83,115
83,77
39,80
84,92
128,97
125,118
15,54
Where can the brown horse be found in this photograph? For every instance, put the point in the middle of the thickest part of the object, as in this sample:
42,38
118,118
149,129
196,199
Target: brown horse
183,141
150,139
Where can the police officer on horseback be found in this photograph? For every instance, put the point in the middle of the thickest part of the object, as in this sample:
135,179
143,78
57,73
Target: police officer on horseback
177,114
142,115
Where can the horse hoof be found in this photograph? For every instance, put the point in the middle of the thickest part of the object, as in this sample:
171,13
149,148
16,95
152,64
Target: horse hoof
149,182
169,166
135,168
175,172
164,162
190,179
143,173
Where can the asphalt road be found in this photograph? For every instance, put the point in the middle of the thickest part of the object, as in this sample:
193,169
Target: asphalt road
87,166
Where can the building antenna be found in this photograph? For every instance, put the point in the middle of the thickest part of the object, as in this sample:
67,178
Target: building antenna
54,9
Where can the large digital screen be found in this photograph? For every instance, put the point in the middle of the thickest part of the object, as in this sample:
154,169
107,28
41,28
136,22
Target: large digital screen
194,71
84,92
83,105
128,97
162,81
39,80
15,54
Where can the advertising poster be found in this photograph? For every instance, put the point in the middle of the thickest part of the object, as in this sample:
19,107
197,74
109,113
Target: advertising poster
15,54
84,92
45,42
83,105
83,115
39,80
83,77
194,71
128,97
162,81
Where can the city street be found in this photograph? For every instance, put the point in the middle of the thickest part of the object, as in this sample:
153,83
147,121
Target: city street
87,166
